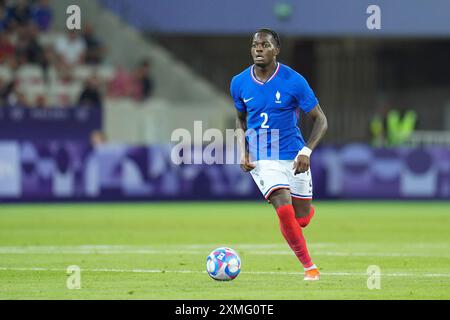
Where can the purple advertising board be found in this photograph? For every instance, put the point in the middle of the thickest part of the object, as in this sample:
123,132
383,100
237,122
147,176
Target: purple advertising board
72,123
73,171
300,17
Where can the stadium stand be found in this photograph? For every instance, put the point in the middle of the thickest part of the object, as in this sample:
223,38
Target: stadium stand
124,76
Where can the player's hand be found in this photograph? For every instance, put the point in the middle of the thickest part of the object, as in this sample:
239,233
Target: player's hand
246,165
301,164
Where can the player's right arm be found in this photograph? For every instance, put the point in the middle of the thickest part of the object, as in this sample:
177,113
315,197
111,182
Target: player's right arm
241,127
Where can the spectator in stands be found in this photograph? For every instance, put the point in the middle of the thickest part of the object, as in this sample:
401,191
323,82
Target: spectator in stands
97,138
122,83
19,14
13,96
42,15
3,88
21,100
13,64
7,48
95,50
66,88
6,89
41,102
28,49
4,20
65,77
70,48
144,81
90,95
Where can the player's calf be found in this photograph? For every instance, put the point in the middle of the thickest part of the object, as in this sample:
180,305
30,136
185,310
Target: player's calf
293,234
304,221
304,211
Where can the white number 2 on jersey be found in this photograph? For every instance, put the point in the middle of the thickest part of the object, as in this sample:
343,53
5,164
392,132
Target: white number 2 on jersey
264,124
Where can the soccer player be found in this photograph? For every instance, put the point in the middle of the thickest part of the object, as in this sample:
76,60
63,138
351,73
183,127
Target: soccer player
267,96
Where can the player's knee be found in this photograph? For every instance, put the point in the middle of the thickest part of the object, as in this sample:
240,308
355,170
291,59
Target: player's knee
280,198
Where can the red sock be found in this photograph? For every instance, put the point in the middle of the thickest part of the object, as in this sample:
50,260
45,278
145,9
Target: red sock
304,221
293,234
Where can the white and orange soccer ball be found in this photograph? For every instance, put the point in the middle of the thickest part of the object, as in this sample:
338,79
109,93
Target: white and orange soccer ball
223,264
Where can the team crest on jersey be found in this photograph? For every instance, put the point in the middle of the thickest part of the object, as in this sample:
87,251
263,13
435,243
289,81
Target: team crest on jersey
278,96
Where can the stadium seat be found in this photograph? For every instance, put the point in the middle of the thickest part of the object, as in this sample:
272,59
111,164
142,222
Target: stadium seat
64,94
5,73
47,39
106,72
82,72
32,91
30,74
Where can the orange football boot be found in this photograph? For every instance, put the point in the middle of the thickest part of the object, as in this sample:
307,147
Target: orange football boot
312,275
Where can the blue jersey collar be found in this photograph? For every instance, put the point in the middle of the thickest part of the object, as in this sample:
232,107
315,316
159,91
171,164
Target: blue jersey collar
252,72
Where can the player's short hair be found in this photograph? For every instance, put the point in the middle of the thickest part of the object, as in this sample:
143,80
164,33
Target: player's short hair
272,33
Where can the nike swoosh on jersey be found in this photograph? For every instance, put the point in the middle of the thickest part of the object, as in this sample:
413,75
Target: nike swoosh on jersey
247,100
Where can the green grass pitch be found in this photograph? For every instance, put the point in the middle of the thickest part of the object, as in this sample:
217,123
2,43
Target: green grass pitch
158,251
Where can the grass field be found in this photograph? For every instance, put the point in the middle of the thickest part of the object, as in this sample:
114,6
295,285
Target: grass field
158,251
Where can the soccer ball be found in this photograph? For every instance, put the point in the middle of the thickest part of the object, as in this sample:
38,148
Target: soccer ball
223,264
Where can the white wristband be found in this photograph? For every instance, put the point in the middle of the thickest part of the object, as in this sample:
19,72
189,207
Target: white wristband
305,151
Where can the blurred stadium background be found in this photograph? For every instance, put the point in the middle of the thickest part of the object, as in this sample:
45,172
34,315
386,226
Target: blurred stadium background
87,115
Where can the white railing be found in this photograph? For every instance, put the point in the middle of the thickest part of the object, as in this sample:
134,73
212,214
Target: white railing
427,138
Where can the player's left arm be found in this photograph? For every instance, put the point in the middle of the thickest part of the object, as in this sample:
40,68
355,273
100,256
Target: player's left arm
320,126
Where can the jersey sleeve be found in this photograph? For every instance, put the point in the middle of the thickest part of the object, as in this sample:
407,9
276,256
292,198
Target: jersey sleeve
303,93
234,89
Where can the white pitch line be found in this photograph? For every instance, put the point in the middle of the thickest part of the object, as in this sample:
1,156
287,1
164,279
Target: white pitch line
278,273
111,250
242,246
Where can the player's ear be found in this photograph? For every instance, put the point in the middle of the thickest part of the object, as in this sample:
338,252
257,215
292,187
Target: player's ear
277,51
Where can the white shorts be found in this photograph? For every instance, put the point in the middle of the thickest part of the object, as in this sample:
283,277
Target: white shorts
271,175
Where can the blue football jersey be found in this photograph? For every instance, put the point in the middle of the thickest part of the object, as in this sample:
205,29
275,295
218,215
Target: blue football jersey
272,111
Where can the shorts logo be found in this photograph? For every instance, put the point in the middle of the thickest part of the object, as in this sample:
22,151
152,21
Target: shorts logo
261,183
